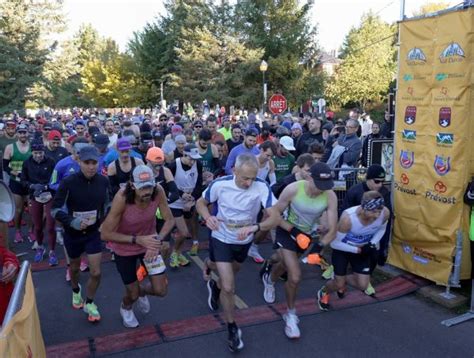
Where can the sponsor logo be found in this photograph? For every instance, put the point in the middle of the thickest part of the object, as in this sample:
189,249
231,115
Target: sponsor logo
405,190
416,57
442,165
421,260
404,179
412,95
445,139
445,117
437,194
443,96
410,115
452,53
407,159
442,76
410,77
408,135
406,248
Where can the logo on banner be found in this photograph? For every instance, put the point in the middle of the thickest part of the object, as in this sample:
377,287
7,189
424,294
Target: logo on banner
445,139
410,115
401,187
407,158
408,135
439,189
406,248
410,77
452,53
442,76
404,179
416,56
445,117
444,96
442,165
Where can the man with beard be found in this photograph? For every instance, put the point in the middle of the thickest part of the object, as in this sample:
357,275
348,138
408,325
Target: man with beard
248,146
210,156
53,147
110,131
236,137
130,228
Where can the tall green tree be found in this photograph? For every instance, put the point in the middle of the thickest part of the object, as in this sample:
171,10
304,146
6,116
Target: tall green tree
430,7
368,65
25,44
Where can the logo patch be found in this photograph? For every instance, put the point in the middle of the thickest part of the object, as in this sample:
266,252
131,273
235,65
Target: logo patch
407,158
442,165
445,139
404,179
440,187
452,53
445,117
410,115
408,77
409,135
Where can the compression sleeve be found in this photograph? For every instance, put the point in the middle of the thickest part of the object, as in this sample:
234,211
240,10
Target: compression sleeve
379,234
272,177
338,244
6,166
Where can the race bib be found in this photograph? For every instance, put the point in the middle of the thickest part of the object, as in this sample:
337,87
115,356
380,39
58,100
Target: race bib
89,217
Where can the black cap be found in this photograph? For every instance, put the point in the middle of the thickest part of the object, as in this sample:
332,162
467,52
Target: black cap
37,145
375,171
88,153
321,174
251,132
22,128
101,139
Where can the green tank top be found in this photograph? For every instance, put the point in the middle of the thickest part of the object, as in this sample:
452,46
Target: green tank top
304,211
17,159
207,160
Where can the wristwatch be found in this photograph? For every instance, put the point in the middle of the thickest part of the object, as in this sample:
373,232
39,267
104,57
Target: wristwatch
134,239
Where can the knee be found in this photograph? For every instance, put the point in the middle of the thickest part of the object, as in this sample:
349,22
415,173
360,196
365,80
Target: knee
294,278
228,288
95,273
160,290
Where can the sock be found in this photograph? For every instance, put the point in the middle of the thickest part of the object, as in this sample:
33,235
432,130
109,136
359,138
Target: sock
292,311
231,326
89,300
76,290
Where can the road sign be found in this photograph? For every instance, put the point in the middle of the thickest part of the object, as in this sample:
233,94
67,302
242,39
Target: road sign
277,104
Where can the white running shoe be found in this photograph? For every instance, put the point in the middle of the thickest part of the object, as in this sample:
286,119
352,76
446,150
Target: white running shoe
128,318
253,253
143,304
291,329
35,246
269,288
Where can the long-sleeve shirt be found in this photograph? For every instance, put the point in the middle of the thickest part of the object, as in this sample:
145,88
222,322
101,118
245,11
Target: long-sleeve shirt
62,170
353,147
33,172
234,153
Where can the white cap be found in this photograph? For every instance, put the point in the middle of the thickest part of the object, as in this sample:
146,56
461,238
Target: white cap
287,143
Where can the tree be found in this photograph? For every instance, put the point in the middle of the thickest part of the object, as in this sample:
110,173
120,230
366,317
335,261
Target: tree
369,64
431,7
25,43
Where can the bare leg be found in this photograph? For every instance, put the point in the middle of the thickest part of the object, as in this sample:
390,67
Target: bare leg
94,274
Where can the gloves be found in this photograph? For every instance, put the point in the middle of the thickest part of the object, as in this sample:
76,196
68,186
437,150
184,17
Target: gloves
367,249
38,187
302,239
76,224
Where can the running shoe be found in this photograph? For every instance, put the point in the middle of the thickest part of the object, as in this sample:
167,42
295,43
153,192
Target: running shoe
143,304
53,260
328,274
128,318
31,236
68,274
93,312
59,237
18,237
84,265
255,254
194,250
266,268
292,330
323,299
174,263
214,293
182,260
370,290
35,246
77,301
269,289
39,254
235,340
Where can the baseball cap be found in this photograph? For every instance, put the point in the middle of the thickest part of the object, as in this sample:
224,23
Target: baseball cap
176,129
10,123
143,177
297,126
197,123
156,134
191,151
79,122
155,155
287,143
251,132
375,171
37,145
54,134
48,126
101,140
22,128
321,174
123,144
88,152
180,138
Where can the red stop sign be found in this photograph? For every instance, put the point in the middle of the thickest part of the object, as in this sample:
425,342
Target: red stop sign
277,104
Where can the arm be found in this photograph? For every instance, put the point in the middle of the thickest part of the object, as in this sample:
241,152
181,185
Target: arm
58,209
271,173
351,156
381,231
112,174
173,192
198,188
165,213
7,155
344,227
55,178
230,162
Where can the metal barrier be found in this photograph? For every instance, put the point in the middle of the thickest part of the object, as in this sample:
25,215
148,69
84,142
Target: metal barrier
16,301
344,179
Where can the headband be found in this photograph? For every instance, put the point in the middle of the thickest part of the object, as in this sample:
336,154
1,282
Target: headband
372,204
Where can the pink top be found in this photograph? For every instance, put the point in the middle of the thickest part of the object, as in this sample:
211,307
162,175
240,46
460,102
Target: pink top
135,221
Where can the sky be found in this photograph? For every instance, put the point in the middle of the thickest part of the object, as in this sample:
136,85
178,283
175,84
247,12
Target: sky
118,19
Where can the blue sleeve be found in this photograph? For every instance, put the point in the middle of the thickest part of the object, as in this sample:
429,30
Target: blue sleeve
230,162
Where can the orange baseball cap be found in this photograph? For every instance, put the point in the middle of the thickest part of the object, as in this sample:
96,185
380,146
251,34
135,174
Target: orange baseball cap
155,155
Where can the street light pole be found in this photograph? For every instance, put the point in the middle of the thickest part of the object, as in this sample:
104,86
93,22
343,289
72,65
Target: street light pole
263,68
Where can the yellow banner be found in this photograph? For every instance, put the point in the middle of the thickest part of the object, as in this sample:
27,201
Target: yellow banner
22,337
433,144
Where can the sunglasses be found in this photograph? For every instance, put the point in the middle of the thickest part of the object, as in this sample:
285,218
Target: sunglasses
378,181
197,126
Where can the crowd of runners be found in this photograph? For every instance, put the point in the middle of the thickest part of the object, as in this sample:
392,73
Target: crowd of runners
140,185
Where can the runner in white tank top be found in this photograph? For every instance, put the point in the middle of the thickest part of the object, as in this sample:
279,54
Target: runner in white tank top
360,229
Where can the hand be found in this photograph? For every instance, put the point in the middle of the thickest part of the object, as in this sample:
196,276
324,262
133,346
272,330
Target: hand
78,224
367,249
149,242
38,187
9,272
244,232
212,223
206,271
151,255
